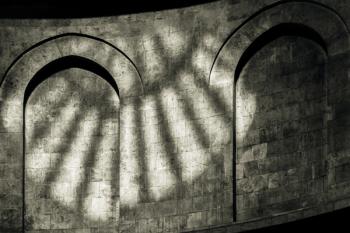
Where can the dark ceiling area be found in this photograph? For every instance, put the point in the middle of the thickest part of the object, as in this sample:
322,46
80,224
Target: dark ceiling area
84,9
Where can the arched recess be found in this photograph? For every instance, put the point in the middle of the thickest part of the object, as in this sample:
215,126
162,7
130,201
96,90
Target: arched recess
42,60
325,22
309,20
71,147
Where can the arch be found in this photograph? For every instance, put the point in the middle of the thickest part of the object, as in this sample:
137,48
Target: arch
48,57
25,66
284,29
316,17
310,20
63,63
60,64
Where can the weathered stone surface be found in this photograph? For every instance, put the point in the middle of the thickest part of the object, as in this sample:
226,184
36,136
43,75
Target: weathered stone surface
188,143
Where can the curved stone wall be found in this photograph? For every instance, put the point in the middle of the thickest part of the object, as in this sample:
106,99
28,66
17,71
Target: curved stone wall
223,116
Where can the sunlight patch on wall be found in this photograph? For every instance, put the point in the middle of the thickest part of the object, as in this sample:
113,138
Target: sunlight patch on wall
245,110
192,156
129,169
79,46
208,41
59,127
40,152
201,62
13,123
99,201
70,176
55,89
208,114
160,177
175,42
156,66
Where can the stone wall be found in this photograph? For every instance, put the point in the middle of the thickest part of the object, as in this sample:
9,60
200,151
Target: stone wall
72,164
218,117
280,143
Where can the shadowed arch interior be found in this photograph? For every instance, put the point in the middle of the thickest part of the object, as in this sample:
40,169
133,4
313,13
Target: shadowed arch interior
283,29
272,34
